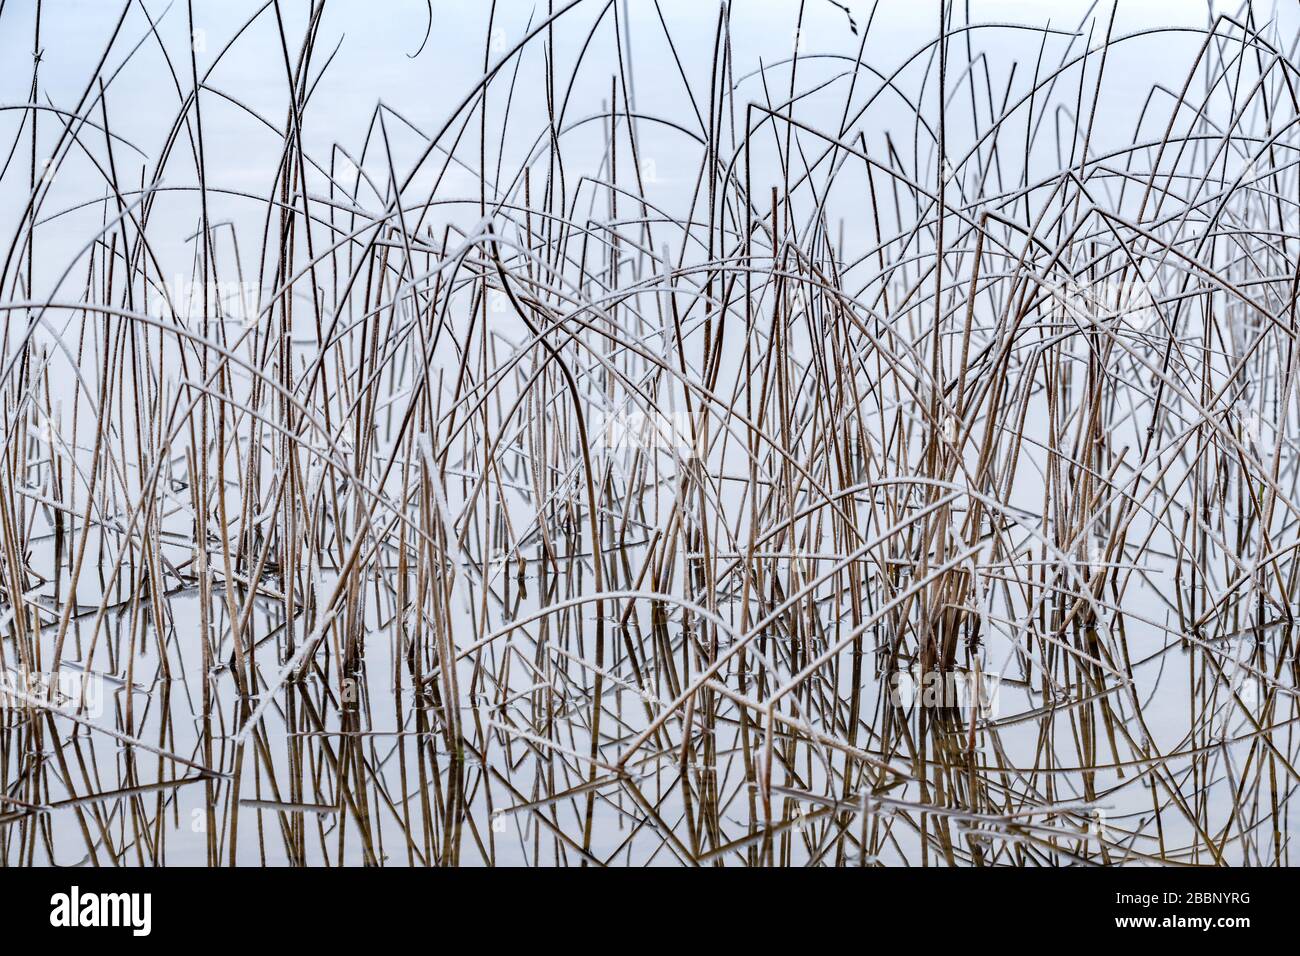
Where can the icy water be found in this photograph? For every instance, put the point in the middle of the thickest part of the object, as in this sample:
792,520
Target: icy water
647,434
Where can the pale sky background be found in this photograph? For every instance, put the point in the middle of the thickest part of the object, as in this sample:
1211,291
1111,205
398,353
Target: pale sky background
375,37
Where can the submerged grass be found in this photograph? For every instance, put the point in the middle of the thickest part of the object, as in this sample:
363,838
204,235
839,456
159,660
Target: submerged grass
917,494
